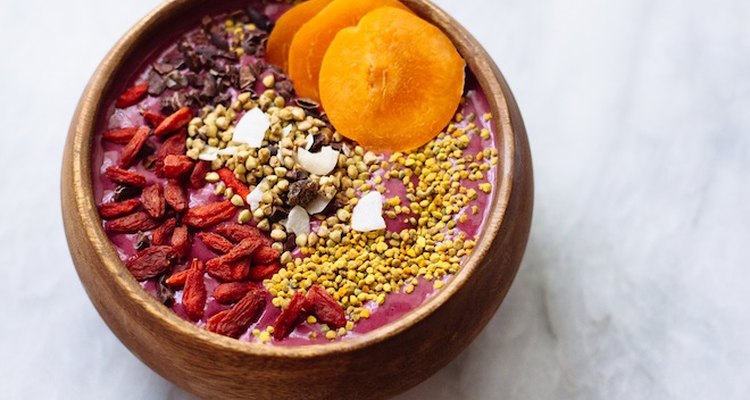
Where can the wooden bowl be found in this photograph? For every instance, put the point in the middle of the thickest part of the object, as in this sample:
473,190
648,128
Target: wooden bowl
375,365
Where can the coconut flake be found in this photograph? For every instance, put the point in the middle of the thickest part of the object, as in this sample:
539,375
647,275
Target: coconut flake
367,215
298,221
252,128
209,153
228,151
310,142
253,198
321,163
287,130
317,205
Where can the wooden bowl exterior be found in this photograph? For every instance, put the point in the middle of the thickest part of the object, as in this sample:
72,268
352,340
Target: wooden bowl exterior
376,365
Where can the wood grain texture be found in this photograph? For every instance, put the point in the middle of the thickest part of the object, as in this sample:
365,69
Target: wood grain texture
376,365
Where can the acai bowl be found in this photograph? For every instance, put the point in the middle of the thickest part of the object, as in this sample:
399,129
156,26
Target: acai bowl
241,245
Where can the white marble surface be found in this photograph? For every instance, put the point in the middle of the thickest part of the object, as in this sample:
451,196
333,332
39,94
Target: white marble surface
635,284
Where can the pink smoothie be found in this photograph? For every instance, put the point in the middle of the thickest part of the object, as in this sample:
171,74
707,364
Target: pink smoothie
106,154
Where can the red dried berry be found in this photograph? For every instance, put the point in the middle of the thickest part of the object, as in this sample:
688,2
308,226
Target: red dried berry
240,269
177,279
237,233
175,196
290,317
134,146
125,177
113,210
132,95
153,200
243,249
222,272
213,321
259,272
239,318
198,176
119,135
324,307
209,215
163,233
180,240
229,272
176,166
175,121
228,293
231,181
138,221
216,242
151,262
153,119
174,145
265,255
194,295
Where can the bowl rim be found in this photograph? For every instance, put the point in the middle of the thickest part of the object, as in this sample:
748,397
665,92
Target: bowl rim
84,127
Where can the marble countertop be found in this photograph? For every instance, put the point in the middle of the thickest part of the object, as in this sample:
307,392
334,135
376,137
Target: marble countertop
635,284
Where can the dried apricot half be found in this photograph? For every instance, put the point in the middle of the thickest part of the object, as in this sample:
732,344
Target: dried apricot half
311,41
392,82
277,49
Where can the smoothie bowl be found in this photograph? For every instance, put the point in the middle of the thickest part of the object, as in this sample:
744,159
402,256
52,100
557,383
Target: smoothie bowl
326,199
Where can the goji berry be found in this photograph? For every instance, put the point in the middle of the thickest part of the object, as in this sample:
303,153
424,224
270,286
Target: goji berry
194,295
125,177
222,272
198,176
151,262
240,269
228,293
237,233
153,119
209,215
213,321
180,240
216,242
239,318
173,122
132,95
229,272
163,233
176,166
134,146
290,317
116,209
153,201
231,181
119,135
259,272
177,279
324,307
175,196
243,249
138,221
265,255
174,145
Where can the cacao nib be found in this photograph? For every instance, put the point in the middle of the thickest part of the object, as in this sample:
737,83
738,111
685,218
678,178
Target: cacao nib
163,68
123,192
301,192
142,241
156,85
163,292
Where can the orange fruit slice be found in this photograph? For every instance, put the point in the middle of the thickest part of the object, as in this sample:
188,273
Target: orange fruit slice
311,41
393,82
277,49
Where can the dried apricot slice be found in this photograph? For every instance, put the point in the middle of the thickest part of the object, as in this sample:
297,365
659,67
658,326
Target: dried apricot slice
311,41
393,82
280,39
